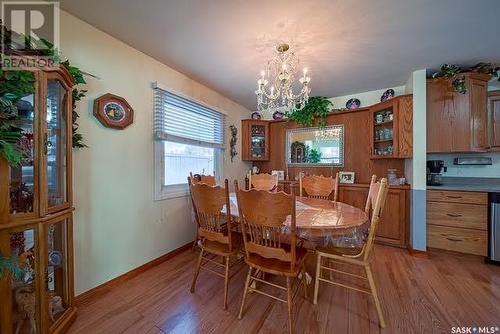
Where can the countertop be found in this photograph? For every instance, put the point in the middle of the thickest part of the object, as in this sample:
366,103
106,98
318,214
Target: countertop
479,184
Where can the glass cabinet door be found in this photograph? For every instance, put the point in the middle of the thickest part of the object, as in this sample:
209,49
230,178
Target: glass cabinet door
24,310
258,141
57,288
55,145
22,187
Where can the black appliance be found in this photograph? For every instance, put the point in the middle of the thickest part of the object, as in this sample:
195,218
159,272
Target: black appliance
494,229
434,169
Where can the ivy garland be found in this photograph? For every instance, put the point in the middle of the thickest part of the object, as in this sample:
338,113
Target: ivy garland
454,73
14,85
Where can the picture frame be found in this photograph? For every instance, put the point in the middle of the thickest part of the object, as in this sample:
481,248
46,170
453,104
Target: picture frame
113,111
346,177
280,173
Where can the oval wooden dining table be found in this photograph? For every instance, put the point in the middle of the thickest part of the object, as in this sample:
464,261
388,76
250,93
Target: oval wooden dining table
323,221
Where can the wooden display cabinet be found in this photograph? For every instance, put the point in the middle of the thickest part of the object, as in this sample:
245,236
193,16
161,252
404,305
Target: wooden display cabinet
392,128
36,213
457,122
255,140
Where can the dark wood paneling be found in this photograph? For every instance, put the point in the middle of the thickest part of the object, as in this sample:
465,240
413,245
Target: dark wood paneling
356,152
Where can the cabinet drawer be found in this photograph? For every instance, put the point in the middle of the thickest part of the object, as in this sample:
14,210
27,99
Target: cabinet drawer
457,197
457,215
457,239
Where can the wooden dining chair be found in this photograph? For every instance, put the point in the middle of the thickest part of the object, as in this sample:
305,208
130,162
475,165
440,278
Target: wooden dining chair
263,181
206,179
360,257
215,232
270,245
319,186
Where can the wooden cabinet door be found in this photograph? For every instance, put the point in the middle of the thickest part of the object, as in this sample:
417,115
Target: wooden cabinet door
448,121
479,114
392,228
392,225
439,111
405,126
494,119
255,140
457,122
355,196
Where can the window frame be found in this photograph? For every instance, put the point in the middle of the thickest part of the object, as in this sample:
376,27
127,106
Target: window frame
162,191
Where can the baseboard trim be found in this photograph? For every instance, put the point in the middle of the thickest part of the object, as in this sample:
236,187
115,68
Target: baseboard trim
106,287
418,253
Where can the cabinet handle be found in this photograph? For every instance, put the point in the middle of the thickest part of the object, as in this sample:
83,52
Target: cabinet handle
453,239
454,197
453,215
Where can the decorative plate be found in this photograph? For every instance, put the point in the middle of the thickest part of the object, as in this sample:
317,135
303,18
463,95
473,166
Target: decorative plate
256,115
278,115
388,94
113,111
353,104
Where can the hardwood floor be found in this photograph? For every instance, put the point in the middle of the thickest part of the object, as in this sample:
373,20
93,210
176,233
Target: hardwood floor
418,295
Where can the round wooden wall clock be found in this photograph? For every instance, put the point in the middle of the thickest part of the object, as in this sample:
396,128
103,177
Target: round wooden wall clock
113,111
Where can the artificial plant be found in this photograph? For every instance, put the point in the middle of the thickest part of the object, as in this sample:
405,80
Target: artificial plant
454,73
315,107
14,85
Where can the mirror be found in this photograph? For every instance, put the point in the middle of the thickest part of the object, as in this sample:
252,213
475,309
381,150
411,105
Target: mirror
316,146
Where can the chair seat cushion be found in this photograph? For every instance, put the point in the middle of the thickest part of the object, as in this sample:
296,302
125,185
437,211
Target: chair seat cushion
220,248
277,267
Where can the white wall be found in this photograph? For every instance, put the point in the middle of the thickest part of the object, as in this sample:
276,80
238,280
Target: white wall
469,171
418,223
366,98
118,226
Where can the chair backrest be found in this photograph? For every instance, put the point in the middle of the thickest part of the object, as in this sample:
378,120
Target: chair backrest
319,186
263,181
262,217
208,202
206,179
374,205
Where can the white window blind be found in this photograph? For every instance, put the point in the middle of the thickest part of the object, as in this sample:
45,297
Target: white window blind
181,120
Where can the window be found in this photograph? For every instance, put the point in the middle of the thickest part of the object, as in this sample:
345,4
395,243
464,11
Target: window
189,137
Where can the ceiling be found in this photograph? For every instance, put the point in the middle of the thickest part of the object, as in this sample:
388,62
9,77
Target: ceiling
349,46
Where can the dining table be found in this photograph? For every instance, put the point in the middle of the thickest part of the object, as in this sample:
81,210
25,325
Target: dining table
323,222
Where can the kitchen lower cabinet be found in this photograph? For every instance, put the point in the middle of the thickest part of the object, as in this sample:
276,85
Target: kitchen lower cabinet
457,221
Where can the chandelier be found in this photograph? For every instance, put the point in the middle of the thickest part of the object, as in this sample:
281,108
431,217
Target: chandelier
275,85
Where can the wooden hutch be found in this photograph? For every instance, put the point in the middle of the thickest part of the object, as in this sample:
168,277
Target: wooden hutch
36,212
372,145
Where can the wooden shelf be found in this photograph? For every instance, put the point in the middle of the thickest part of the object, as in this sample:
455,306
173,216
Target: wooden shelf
383,140
384,123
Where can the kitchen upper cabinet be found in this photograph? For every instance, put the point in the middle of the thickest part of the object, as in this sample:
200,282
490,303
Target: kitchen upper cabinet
457,122
494,119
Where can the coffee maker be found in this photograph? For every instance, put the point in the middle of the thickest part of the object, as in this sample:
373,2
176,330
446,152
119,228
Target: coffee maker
434,169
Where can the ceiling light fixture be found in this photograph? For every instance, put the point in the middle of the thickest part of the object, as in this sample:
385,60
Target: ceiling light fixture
275,85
